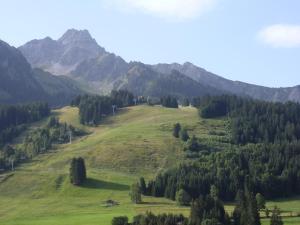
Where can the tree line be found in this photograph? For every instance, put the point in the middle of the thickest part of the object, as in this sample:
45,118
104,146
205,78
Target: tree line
93,108
254,121
169,102
272,170
13,119
208,210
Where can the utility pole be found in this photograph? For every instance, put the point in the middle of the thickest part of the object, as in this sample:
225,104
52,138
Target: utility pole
113,109
12,164
70,136
44,144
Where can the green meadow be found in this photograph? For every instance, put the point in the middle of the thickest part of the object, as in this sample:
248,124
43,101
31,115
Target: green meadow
136,142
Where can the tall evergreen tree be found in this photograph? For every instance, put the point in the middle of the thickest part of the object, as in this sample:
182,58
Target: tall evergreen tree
143,186
246,211
176,130
184,135
206,209
77,171
135,194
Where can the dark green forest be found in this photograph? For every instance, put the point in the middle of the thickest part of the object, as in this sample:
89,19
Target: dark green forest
264,152
254,121
169,102
13,119
92,108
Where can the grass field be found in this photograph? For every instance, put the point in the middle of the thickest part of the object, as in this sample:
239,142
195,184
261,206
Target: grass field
137,141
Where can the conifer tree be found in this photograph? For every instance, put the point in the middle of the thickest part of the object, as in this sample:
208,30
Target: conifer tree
184,135
246,211
77,171
176,130
143,186
135,194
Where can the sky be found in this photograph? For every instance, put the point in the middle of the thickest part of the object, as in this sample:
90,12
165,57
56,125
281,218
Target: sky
255,41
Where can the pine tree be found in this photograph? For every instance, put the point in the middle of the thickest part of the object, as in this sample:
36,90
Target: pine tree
176,130
143,187
184,135
77,171
206,210
135,194
246,212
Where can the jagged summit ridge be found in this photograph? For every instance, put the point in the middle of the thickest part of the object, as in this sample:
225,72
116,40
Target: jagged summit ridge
61,56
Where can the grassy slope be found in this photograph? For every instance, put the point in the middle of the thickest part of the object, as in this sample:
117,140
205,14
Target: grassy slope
136,142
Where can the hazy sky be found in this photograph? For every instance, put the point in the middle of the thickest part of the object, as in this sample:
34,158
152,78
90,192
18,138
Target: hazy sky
256,41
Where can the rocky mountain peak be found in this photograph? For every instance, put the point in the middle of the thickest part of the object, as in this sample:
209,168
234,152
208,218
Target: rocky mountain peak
62,56
73,36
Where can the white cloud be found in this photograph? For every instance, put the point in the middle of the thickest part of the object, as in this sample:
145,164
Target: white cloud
281,35
169,9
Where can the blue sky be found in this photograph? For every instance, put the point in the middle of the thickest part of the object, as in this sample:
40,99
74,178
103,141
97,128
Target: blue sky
256,41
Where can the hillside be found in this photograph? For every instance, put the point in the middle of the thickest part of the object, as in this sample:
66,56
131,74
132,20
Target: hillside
39,192
137,141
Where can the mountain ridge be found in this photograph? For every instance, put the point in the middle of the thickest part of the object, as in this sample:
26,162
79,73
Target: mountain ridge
81,58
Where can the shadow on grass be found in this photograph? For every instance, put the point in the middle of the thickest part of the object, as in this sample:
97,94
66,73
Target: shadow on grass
100,184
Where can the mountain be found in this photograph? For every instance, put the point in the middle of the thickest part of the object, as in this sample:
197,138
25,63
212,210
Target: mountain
142,80
60,90
20,83
235,87
77,55
62,56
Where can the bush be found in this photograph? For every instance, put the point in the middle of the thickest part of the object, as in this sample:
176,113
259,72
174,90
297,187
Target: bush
261,202
183,198
121,220
184,135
